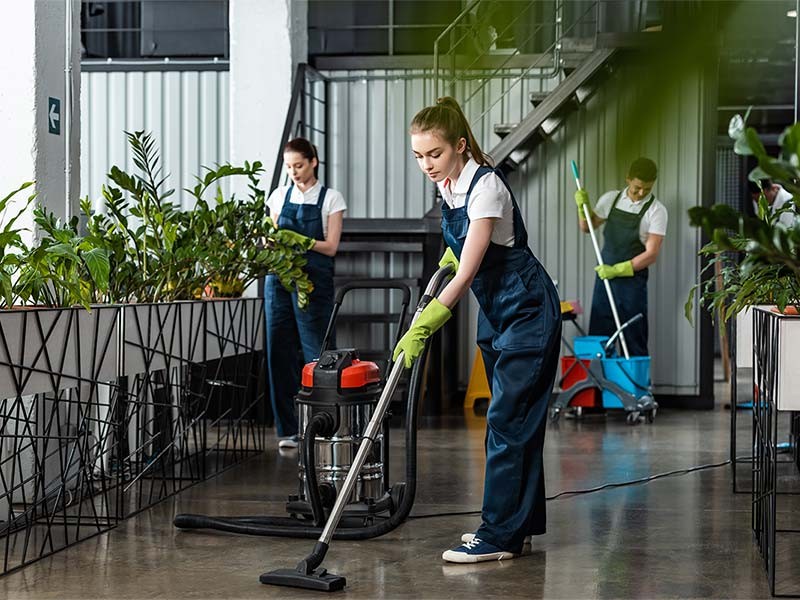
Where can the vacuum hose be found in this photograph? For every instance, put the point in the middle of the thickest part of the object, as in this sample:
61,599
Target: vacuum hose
289,527
320,424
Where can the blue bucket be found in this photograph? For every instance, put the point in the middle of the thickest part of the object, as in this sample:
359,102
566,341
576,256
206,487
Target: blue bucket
631,374
589,346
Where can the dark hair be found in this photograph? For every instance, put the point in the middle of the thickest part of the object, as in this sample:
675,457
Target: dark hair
761,184
305,148
644,169
447,118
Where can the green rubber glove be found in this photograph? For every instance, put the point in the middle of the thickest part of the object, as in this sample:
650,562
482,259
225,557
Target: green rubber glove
429,321
581,199
448,258
621,269
296,239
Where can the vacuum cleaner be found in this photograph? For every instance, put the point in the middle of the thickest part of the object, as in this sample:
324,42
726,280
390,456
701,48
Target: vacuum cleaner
343,470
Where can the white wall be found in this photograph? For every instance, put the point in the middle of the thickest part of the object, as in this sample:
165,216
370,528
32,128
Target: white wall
268,39
33,44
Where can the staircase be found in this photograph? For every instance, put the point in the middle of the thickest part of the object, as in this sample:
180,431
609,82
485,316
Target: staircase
572,60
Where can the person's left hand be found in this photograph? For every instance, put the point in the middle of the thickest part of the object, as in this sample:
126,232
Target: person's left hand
621,269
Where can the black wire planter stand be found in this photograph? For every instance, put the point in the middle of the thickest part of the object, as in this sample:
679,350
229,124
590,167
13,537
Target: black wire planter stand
775,483
105,413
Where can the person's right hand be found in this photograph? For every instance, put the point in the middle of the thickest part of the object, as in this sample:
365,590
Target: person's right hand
582,199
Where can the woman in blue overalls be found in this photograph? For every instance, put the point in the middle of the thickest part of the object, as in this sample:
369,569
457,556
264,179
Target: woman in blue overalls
519,326
309,209
635,226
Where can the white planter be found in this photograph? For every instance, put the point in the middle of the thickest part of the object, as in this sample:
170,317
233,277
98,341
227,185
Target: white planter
233,326
744,337
787,376
51,349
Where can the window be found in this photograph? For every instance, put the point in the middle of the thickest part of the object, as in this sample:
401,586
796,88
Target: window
377,27
154,29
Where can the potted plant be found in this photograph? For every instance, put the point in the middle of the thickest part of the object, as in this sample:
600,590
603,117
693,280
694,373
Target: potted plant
758,258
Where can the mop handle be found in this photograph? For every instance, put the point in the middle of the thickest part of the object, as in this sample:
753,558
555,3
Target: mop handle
588,216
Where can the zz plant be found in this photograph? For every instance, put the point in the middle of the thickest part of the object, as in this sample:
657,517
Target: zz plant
143,248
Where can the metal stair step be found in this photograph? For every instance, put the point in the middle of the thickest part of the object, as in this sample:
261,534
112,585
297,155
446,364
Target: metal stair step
503,129
537,98
548,126
338,280
383,246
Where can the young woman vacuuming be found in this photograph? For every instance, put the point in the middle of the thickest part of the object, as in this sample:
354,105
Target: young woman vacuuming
519,326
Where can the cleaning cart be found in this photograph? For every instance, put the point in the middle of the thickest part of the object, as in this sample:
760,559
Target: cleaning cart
594,370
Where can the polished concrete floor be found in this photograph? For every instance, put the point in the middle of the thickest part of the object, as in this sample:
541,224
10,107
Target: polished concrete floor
679,537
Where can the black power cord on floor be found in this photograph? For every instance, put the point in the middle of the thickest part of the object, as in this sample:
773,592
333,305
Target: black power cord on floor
599,488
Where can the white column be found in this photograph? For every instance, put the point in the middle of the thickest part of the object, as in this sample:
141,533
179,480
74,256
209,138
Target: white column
268,39
32,40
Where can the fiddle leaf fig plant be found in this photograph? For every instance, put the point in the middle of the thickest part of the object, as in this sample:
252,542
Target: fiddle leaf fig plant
758,257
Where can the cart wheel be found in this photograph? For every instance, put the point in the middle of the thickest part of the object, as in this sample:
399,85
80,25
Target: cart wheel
632,417
651,415
578,411
555,414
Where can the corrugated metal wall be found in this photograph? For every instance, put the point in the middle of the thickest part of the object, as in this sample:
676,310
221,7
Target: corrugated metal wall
187,111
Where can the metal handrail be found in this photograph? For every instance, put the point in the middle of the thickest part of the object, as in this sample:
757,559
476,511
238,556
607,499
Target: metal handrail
553,50
441,36
294,126
534,65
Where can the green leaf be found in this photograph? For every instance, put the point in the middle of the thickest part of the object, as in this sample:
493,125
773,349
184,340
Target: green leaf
99,267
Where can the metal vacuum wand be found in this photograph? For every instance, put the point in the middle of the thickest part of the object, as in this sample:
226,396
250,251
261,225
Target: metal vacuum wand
599,256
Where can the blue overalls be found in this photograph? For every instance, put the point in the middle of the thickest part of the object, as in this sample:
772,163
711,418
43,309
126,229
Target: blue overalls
289,327
621,243
519,329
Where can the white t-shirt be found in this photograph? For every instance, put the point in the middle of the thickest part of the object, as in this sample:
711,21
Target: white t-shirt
653,221
489,198
781,198
333,203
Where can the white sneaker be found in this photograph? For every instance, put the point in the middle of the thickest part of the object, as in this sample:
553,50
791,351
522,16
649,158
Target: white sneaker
288,442
468,537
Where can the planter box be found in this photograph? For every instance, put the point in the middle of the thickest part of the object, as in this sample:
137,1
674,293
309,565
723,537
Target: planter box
776,340
234,326
744,337
50,349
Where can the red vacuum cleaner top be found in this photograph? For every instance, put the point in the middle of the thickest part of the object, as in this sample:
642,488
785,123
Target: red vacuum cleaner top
359,374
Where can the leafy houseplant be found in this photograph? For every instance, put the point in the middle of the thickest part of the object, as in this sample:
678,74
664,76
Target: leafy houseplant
759,257
11,245
144,248
63,269
158,252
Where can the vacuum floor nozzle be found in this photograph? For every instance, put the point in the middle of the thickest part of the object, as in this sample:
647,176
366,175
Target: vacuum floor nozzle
319,580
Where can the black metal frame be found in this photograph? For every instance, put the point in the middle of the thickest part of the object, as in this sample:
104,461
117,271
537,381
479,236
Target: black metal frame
109,411
767,475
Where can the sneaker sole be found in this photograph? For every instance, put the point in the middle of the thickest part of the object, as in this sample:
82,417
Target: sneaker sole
287,445
464,558
467,537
